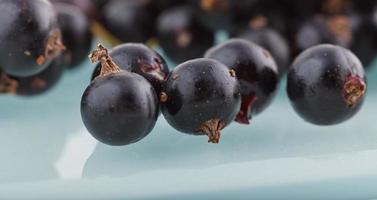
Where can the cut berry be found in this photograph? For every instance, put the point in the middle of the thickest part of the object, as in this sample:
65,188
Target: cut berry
29,38
201,97
326,85
256,70
118,107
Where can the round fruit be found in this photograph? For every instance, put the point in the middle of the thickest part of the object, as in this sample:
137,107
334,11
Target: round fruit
256,70
201,97
87,7
119,107
181,35
36,84
334,29
139,59
76,33
128,20
271,40
29,37
326,84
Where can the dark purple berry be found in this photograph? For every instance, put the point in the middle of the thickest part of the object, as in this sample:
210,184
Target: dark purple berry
272,41
139,59
181,35
36,84
29,37
201,97
87,7
77,37
326,84
128,20
118,107
334,29
256,70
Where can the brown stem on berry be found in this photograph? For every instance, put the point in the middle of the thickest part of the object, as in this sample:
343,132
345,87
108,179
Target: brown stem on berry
244,115
232,73
54,47
353,90
184,39
163,97
213,5
8,85
101,54
335,6
258,22
212,128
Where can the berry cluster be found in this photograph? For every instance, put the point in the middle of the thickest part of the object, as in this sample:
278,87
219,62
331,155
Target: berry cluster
212,85
38,41
216,85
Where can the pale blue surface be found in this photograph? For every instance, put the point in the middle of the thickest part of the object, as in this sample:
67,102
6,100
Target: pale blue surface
279,156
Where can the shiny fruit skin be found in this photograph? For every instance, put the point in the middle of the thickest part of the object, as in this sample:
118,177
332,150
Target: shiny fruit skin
139,59
87,7
128,20
42,82
256,70
119,108
26,26
316,83
181,35
77,37
272,41
200,90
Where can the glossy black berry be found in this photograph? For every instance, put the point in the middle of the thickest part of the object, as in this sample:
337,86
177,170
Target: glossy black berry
256,70
334,29
220,14
128,20
364,41
201,97
29,37
139,59
326,84
76,33
119,107
271,40
181,35
36,84
87,7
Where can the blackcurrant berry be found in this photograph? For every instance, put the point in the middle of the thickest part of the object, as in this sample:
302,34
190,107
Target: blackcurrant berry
29,38
219,14
365,42
326,84
139,59
256,70
87,7
268,38
181,35
118,107
36,84
335,29
129,20
201,97
76,33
